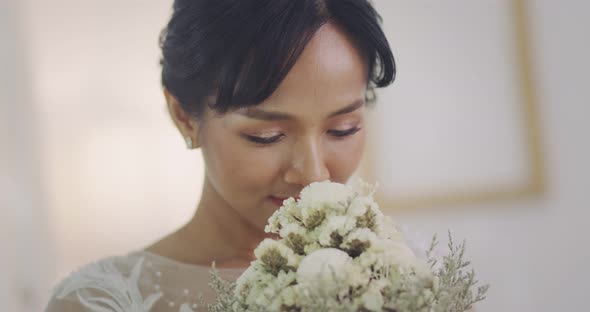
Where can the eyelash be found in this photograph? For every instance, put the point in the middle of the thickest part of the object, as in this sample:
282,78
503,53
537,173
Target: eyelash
274,139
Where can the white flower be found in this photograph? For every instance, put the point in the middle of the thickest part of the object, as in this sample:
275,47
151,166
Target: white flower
255,291
310,248
336,226
292,228
273,225
363,235
326,192
287,214
372,298
368,259
397,253
359,206
283,280
275,255
312,216
355,276
250,283
273,289
320,270
248,275
284,291
289,296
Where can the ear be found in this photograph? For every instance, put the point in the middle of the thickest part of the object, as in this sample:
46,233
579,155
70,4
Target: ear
186,124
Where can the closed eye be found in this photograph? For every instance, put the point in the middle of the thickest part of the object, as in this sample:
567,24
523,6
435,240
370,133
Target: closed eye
344,133
277,138
263,140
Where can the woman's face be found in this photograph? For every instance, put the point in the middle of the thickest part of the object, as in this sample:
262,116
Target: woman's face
312,128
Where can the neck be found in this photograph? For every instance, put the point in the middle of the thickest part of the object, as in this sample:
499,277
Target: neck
220,232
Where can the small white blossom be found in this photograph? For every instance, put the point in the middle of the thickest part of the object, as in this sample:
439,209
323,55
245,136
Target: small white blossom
363,235
243,281
372,298
312,216
288,213
336,226
355,275
311,248
293,228
267,246
289,296
359,206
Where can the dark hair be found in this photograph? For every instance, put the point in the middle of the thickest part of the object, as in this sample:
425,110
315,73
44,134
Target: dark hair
241,50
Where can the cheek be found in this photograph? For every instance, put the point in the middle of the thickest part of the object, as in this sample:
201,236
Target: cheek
343,157
240,169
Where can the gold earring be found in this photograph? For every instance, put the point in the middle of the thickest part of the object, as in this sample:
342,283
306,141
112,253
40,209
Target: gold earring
189,142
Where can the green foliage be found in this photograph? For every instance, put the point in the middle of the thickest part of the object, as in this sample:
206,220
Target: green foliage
454,293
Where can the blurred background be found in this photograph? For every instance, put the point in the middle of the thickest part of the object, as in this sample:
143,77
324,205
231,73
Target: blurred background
484,133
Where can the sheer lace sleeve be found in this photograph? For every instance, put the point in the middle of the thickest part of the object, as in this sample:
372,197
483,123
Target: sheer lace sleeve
137,282
103,287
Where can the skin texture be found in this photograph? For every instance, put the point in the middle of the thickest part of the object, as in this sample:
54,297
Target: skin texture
241,175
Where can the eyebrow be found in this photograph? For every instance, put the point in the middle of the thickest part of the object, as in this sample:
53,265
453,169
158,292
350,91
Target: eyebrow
256,113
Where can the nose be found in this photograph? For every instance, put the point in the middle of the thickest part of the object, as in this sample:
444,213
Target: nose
307,164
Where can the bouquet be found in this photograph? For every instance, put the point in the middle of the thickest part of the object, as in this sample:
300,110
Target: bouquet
338,252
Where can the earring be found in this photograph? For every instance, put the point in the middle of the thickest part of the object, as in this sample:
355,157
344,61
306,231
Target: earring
189,142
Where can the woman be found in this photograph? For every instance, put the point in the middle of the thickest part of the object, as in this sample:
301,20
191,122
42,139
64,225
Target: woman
274,93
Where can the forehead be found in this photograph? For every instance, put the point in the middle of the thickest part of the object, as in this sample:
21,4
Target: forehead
330,73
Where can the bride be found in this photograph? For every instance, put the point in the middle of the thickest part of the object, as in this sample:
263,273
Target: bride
274,94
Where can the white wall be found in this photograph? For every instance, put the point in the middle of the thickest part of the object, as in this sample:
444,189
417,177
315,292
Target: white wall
534,252
26,255
116,170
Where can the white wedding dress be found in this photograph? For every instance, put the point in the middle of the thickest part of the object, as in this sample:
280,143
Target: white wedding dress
140,281
143,281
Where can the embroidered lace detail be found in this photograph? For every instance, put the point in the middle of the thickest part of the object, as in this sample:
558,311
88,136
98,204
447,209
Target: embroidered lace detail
139,281
120,293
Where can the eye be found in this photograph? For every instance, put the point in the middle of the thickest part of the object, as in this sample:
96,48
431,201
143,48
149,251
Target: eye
263,140
344,133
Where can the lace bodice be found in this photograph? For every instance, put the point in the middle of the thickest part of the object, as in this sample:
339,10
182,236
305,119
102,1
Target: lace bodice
140,281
